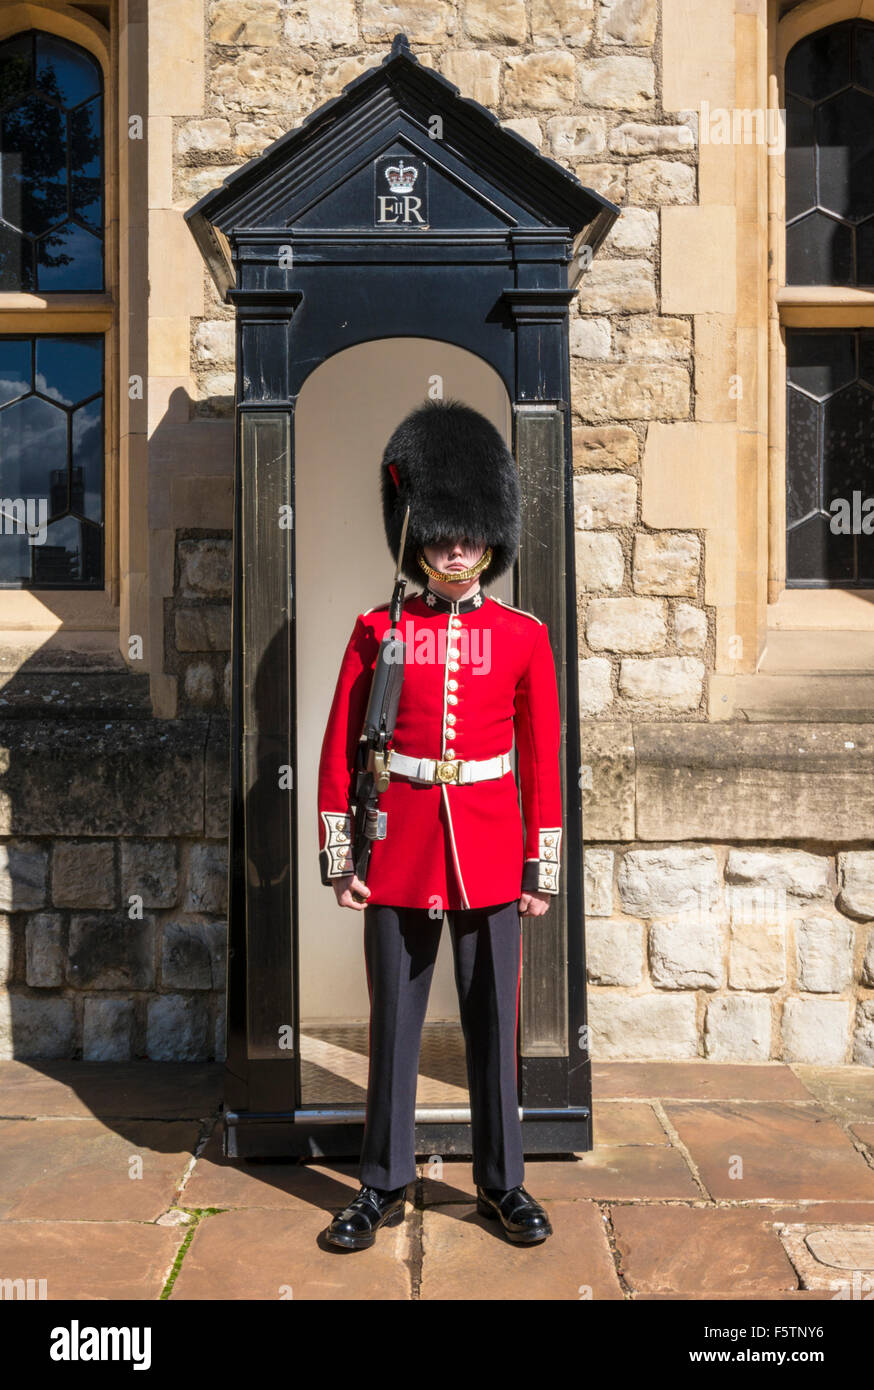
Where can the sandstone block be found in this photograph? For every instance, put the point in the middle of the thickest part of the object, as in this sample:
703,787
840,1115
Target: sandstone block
665,882
667,562
596,694
604,446
642,1026
604,499
738,1029
661,181
690,628
856,884
177,1028
149,871
23,872
540,81
614,952
600,563
625,624
686,954
599,882
83,874
44,939
816,1031
676,682
107,1030
824,954
618,83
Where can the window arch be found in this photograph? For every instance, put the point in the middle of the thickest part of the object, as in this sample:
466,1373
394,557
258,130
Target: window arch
52,219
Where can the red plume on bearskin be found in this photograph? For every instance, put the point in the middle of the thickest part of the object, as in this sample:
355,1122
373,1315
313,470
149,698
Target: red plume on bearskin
453,468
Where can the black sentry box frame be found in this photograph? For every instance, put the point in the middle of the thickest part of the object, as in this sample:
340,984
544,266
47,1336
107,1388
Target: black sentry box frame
290,242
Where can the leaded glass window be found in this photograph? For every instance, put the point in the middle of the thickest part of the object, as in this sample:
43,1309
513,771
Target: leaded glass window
51,166
830,481
51,461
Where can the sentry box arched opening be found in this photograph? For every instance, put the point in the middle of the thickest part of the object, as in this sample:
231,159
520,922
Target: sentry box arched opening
400,210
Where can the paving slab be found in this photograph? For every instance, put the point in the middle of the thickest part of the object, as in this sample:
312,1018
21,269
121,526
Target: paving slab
865,1132
158,1090
86,1170
466,1256
90,1259
793,1296
849,1091
782,1150
839,1259
275,1255
696,1081
217,1181
627,1122
692,1250
607,1171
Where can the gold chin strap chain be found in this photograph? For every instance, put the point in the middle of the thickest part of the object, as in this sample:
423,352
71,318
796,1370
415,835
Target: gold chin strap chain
460,576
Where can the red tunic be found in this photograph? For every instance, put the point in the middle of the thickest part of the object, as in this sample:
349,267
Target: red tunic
478,672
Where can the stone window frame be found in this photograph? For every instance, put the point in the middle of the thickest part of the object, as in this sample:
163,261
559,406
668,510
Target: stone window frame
802,306
92,610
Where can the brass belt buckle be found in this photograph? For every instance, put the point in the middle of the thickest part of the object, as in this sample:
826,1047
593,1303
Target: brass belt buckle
447,771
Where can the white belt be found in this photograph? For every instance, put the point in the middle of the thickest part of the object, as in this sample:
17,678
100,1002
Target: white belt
461,770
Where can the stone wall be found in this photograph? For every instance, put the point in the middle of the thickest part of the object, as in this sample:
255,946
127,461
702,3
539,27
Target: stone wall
736,954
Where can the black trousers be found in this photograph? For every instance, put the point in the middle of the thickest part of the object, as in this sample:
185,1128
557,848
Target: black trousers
400,948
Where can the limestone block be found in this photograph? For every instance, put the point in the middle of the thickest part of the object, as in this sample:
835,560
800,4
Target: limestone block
628,21
631,391
614,952
607,780
211,135
205,629
596,693
108,952
625,624
7,949
856,884
665,882
245,22
572,137
177,1029
699,283
45,950
738,1029
195,182
561,22
199,684
600,563
607,179
250,139
645,336
800,875
330,22
205,568
476,75
634,138
636,230
641,1026
83,874
423,21
599,882
149,871
541,81
34,1027
255,82
816,1031
661,181
618,83
590,338
746,782
23,872
863,1036
528,128
193,955
215,341
867,978
604,446
757,955
690,628
207,885
604,499
666,562
676,682
495,21
107,1030
686,953
617,285
824,954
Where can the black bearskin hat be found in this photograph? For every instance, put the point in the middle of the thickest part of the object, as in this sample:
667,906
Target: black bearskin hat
453,468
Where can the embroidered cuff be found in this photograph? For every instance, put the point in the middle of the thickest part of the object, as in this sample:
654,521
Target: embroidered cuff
336,857
550,845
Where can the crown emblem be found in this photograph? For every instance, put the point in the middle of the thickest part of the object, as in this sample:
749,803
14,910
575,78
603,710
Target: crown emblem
401,177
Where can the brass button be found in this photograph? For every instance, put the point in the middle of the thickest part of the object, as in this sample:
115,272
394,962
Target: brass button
450,719
453,685
450,753
454,653
453,665
452,699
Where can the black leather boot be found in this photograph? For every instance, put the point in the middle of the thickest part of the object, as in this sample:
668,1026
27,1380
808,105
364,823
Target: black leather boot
355,1227
523,1219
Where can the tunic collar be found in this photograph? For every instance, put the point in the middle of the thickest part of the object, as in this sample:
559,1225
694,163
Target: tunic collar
439,604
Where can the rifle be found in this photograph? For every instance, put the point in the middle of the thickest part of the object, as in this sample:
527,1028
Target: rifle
373,757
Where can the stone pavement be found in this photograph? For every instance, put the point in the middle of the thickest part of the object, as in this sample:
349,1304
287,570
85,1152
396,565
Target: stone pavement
706,1181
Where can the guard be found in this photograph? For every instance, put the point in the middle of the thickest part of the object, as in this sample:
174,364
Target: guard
478,675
